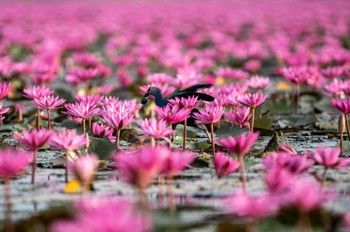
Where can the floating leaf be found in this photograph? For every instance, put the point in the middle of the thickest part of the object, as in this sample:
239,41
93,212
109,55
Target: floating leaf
202,145
263,122
103,147
191,133
69,124
226,130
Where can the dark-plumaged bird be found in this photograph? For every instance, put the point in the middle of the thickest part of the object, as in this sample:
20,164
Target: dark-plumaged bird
155,92
188,92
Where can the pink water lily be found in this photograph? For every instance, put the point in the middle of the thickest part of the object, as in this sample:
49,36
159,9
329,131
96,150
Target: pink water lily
37,92
12,164
48,102
225,165
251,207
210,115
239,117
101,130
156,129
240,146
329,158
5,89
252,101
176,161
90,218
33,140
141,167
83,110
68,140
84,169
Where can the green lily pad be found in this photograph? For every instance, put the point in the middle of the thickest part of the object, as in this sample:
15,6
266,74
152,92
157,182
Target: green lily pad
102,147
263,122
191,133
226,130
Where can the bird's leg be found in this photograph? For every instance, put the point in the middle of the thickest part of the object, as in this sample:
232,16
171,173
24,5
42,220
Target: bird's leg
202,127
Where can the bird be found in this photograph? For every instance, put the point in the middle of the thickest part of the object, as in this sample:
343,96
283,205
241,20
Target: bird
188,92
160,101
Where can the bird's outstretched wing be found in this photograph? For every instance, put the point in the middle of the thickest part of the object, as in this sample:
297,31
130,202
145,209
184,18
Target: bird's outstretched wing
200,96
192,91
195,88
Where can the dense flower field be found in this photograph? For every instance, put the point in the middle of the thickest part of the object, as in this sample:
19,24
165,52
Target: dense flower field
175,116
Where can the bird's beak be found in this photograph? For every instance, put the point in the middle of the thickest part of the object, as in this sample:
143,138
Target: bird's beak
144,100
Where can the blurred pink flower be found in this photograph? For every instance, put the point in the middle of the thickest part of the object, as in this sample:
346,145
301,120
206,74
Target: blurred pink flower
36,92
84,74
251,207
231,73
188,103
3,110
90,218
252,65
252,100
13,162
172,114
224,165
342,104
34,139
89,99
239,116
329,157
306,195
48,102
67,140
332,72
279,180
124,78
154,128
5,89
335,88
296,75
239,145
84,168
140,168
259,82
176,161
101,130
209,115
82,110
295,164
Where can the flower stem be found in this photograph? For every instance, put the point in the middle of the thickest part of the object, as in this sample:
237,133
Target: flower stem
347,125
66,173
304,222
161,190
84,125
172,206
38,120
341,128
212,139
243,173
34,165
184,135
297,96
253,119
153,142
49,119
8,206
117,138
324,176
20,116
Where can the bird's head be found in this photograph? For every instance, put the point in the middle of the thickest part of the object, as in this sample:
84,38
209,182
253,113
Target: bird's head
150,94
